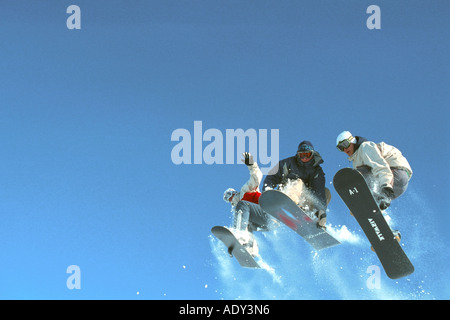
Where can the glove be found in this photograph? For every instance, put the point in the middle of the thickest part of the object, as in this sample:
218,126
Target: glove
248,159
387,194
322,218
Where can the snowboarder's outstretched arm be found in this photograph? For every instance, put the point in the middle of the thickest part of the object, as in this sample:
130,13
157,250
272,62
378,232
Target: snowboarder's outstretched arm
255,175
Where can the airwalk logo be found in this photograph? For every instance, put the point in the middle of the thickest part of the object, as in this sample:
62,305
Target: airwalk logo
376,229
225,148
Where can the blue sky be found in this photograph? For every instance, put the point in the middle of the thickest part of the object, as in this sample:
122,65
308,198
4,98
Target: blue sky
86,118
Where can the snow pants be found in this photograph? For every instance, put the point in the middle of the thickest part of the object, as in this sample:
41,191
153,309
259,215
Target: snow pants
250,215
400,184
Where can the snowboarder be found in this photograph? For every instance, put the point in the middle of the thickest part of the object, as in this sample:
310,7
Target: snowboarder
248,215
301,177
385,169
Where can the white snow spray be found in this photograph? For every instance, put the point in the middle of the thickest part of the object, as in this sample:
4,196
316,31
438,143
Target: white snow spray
293,270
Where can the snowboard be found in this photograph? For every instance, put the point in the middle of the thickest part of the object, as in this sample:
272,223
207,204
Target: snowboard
354,191
235,248
282,208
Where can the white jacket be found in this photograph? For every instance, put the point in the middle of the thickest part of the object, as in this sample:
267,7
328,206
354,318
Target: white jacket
251,185
380,157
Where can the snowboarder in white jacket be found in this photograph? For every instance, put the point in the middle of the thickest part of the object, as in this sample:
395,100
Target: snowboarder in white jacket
384,167
248,215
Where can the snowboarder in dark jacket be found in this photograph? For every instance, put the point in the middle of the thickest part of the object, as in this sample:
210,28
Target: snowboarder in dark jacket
304,166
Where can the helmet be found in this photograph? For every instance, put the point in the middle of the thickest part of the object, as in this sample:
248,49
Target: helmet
345,135
228,194
305,146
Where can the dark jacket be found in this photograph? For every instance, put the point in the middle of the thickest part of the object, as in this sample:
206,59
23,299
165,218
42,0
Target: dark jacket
292,168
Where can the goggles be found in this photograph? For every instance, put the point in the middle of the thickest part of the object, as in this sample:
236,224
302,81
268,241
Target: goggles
305,155
344,144
229,194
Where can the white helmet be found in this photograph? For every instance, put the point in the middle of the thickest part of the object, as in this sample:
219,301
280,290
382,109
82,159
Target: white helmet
345,135
228,194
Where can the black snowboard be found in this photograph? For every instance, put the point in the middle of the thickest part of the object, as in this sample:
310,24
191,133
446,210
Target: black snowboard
352,188
234,247
281,207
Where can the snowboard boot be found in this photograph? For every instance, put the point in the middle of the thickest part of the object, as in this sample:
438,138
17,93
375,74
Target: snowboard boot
230,251
248,241
397,235
252,247
321,219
